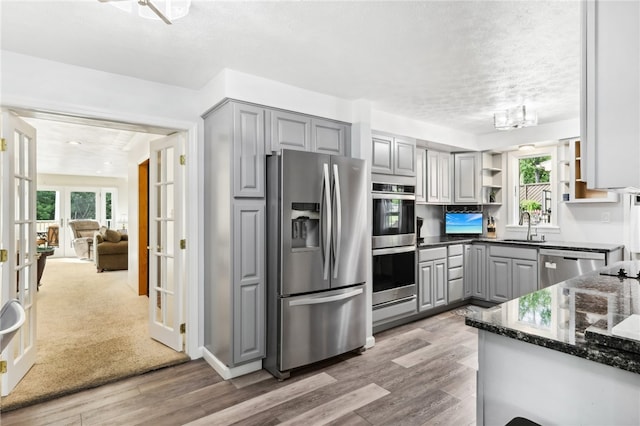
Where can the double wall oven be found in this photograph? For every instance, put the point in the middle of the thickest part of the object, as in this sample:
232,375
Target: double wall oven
393,244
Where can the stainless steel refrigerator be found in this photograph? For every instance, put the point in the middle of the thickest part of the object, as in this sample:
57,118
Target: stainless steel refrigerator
316,258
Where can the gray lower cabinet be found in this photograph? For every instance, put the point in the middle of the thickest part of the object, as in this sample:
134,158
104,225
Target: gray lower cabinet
468,284
290,131
476,274
513,272
500,279
525,277
432,278
248,151
329,137
455,273
248,280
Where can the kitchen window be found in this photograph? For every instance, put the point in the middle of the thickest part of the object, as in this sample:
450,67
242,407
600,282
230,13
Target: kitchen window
532,178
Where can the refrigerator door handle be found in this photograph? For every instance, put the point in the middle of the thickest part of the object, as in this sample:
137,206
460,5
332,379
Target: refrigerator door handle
338,208
319,300
326,235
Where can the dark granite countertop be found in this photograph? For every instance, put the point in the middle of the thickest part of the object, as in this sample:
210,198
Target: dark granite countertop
575,317
560,245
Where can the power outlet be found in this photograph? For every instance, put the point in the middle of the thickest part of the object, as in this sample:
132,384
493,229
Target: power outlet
605,217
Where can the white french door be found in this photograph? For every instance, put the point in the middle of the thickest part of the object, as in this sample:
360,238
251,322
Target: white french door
18,238
166,230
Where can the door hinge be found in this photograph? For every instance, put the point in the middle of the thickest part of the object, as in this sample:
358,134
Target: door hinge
3,367
183,244
4,255
3,144
183,328
183,160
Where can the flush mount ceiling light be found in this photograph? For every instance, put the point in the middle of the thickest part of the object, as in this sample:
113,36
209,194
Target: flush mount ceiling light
526,147
514,118
167,10
74,143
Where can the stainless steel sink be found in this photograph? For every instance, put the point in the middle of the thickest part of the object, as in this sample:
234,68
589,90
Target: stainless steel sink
516,240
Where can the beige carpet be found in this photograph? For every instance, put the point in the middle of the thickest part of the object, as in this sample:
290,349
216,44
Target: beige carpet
92,329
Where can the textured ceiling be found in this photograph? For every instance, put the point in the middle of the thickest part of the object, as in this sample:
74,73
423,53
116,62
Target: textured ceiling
101,151
451,63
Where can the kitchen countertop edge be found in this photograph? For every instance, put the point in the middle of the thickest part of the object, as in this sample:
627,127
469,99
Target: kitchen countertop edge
590,247
610,356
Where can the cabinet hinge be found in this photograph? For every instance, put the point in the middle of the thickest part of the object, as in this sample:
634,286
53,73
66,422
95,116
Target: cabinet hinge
3,144
4,255
183,328
183,244
183,160
3,367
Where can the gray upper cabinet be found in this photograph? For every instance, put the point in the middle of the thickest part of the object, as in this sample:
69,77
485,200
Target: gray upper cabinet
248,151
329,137
290,131
610,109
421,176
249,315
301,132
404,157
439,176
393,156
467,171
382,152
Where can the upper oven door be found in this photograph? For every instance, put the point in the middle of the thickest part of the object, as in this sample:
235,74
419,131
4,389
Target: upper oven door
393,220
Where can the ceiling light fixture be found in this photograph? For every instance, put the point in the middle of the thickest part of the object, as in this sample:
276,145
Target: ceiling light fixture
167,10
526,147
514,118
74,143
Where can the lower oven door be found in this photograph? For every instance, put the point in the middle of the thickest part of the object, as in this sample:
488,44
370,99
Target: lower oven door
321,325
394,274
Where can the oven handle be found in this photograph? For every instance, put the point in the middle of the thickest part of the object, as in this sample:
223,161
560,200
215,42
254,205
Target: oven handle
393,250
386,196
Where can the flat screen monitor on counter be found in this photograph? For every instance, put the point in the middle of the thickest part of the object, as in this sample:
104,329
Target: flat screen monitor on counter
462,223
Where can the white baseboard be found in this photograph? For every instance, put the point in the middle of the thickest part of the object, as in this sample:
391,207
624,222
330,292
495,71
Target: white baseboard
230,372
371,341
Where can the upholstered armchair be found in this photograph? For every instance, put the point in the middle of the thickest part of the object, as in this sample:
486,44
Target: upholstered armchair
83,232
112,250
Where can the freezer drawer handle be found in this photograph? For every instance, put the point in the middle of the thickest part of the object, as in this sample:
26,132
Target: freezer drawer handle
550,265
319,300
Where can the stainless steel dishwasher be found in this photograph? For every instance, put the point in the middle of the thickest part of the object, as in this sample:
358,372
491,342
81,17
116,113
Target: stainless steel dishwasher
555,266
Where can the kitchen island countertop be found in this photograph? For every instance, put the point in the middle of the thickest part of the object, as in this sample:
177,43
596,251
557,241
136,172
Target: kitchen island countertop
575,317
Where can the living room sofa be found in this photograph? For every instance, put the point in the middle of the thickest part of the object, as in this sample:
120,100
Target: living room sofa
111,250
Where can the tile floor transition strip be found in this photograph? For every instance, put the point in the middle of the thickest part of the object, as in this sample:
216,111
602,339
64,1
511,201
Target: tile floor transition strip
339,407
260,403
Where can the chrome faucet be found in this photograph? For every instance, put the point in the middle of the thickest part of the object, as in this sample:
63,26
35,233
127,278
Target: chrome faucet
529,234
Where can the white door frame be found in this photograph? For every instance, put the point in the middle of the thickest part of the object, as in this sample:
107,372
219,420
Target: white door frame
194,305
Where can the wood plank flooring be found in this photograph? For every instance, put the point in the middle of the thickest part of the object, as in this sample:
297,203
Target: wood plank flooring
423,373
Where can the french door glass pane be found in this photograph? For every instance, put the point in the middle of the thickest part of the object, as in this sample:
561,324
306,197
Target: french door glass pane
83,205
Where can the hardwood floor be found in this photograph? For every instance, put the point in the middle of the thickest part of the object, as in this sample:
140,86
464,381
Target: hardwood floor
423,373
